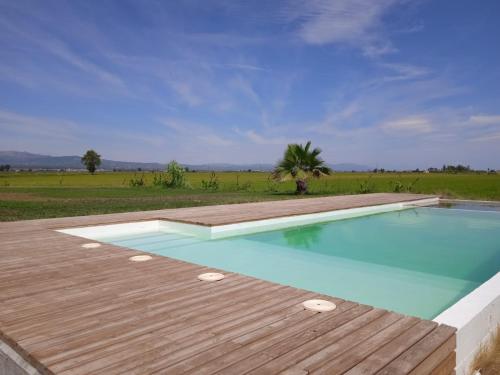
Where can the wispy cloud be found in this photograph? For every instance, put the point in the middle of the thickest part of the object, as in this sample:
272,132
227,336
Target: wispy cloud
355,22
261,139
485,119
195,130
12,122
412,125
62,51
245,87
491,137
403,72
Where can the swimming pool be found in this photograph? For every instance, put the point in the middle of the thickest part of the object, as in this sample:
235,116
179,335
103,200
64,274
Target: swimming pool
417,261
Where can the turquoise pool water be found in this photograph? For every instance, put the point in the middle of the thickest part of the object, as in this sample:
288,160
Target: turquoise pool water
417,261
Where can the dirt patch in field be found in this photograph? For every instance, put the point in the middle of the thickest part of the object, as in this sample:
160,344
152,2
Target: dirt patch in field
9,196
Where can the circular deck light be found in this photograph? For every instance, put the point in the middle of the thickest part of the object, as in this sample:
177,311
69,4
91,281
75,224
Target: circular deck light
319,305
91,245
140,258
211,276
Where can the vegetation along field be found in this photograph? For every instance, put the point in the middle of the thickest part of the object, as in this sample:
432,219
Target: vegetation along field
31,195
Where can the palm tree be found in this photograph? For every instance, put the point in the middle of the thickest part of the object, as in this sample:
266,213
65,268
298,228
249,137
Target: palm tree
299,163
92,160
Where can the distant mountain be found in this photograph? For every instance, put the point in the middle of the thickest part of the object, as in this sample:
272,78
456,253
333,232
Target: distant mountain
26,160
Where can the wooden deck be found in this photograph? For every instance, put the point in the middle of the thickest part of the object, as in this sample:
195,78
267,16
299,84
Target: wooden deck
69,310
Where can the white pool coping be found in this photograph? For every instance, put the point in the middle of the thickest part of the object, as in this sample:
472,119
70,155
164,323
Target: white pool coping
17,363
475,316
229,230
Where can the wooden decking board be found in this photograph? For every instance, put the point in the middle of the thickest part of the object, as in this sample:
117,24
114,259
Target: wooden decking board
117,319
183,342
257,324
418,353
256,342
447,367
160,319
364,347
392,349
346,337
70,310
87,307
262,337
163,329
436,357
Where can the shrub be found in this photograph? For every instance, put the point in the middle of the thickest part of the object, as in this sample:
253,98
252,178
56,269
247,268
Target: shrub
176,173
211,184
366,186
160,179
137,181
399,187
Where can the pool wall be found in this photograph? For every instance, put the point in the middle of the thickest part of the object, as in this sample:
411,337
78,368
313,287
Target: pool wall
11,363
229,230
476,317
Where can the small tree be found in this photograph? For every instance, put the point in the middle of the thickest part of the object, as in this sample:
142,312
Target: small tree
299,163
91,160
176,174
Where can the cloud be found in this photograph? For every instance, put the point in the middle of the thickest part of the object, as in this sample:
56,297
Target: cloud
39,39
355,22
24,125
485,119
246,67
60,50
403,72
492,137
245,87
259,139
412,125
186,93
194,130
215,140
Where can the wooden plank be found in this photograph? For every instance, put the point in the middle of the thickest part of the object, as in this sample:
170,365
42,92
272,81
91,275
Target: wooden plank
368,345
436,357
258,340
418,353
393,349
447,367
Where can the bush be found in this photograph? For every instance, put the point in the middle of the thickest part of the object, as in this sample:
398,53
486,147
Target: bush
399,187
211,184
366,186
177,179
160,179
137,181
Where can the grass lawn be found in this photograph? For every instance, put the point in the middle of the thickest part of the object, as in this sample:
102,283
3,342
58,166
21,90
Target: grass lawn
34,195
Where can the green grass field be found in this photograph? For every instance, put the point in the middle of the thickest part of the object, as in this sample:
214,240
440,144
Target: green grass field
26,195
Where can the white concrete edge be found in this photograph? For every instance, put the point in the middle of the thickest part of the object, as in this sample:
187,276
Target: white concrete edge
17,359
451,200
108,230
265,225
476,317
221,231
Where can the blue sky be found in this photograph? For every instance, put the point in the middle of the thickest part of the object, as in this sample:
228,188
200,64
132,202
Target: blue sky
388,83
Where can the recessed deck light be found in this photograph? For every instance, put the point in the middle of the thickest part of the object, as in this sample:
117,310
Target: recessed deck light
319,305
140,258
91,245
211,276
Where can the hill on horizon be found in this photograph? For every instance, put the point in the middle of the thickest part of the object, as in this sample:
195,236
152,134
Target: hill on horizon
27,160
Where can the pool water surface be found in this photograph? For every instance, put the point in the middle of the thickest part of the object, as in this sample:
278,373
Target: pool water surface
416,261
